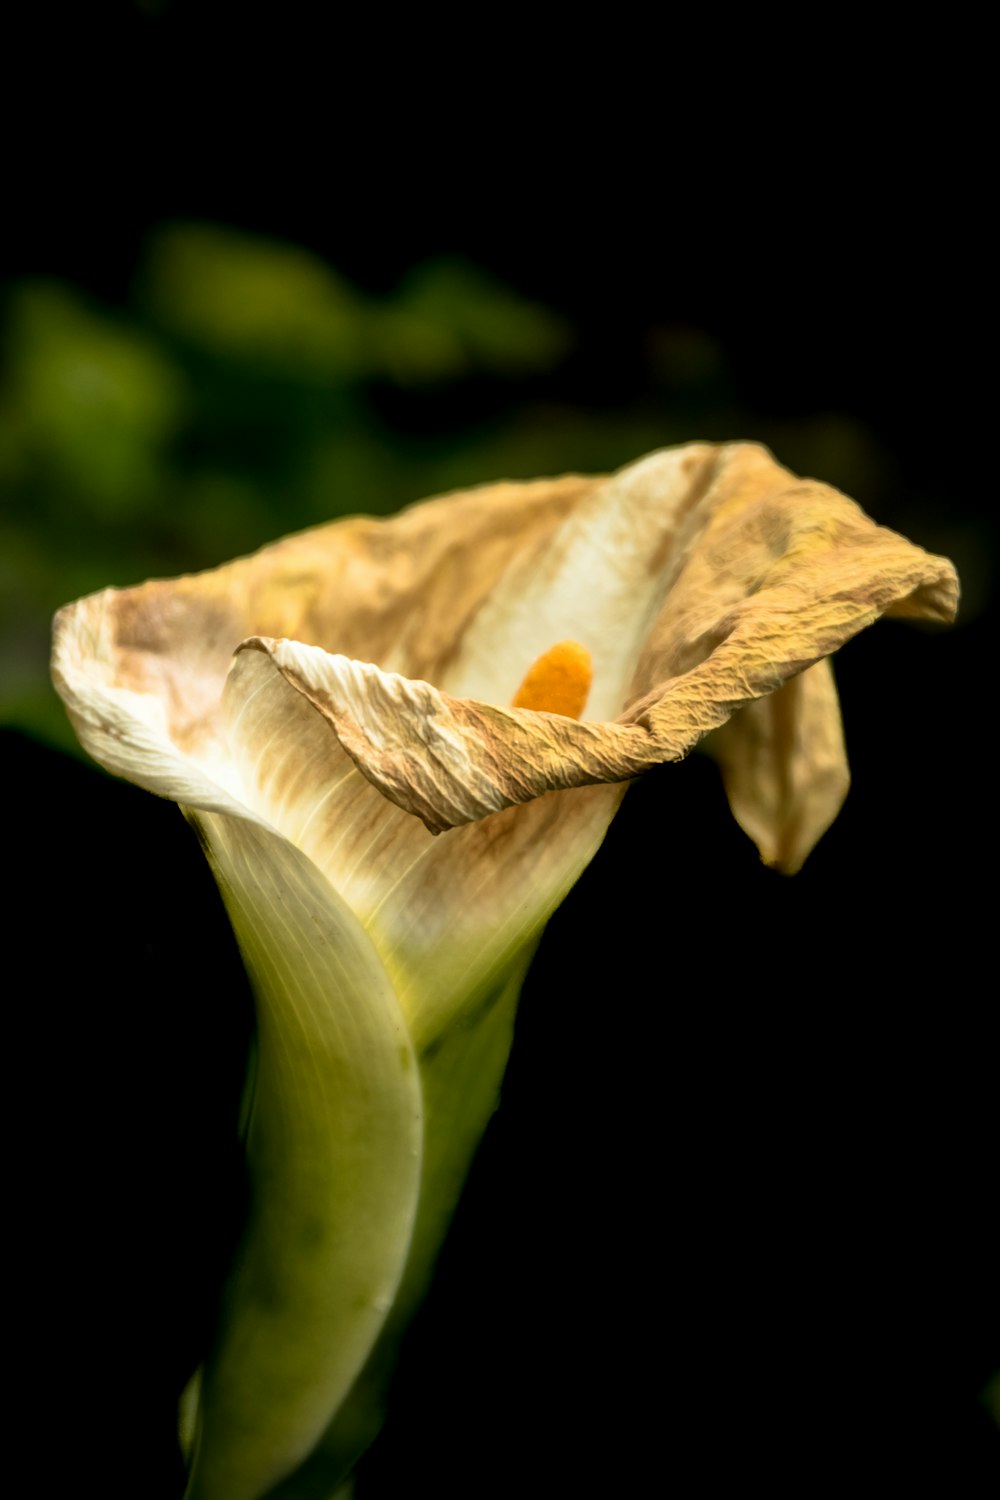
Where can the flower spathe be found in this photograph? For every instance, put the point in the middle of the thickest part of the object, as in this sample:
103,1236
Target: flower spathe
395,795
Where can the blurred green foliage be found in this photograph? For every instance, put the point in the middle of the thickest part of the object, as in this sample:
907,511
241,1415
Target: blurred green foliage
230,401
245,390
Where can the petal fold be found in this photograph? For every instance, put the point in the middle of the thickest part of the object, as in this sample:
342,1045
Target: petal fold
448,915
765,575
701,579
390,836
784,766
334,1152
123,707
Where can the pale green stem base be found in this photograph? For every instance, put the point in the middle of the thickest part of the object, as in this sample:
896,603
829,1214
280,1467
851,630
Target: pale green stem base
461,1074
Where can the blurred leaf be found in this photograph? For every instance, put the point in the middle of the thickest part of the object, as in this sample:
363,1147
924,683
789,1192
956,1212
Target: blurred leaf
244,297
449,318
92,403
249,390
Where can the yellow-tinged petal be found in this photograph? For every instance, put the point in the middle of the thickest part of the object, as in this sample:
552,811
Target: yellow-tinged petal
396,680
446,915
785,767
133,702
141,670
700,579
599,580
772,575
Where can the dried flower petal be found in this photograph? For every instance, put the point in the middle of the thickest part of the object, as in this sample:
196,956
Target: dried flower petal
377,727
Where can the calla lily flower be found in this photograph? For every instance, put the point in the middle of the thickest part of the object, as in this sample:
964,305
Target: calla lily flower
401,741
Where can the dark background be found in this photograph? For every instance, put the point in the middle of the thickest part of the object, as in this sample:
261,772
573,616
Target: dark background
735,1218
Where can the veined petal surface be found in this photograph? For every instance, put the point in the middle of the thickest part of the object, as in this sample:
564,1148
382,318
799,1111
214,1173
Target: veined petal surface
334,1152
763,577
447,915
700,579
399,592
784,766
390,835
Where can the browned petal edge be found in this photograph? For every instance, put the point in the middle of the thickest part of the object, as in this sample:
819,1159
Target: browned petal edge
448,761
765,575
351,585
784,766
451,761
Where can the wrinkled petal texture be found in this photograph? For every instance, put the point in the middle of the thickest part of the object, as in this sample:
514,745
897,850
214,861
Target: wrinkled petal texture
394,834
702,579
446,915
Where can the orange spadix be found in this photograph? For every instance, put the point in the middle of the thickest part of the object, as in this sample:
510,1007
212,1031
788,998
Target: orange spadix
558,682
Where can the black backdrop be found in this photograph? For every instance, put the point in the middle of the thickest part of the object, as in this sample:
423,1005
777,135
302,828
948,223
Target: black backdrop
735,1219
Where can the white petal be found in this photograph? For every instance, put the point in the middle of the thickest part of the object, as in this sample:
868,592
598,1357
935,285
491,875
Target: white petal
334,1155
123,719
599,580
461,1075
448,915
